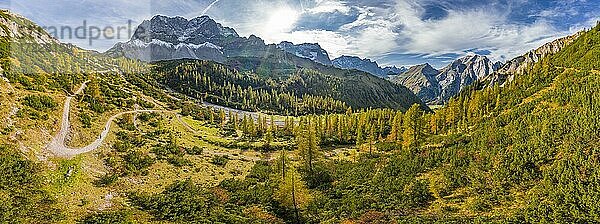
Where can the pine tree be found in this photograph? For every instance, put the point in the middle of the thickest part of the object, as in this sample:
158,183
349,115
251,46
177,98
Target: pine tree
360,132
222,117
283,164
268,138
273,125
245,125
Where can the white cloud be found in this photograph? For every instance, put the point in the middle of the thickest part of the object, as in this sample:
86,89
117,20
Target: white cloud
457,32
381,31
329,6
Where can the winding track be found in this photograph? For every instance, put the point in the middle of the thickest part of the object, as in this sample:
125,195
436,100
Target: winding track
58,147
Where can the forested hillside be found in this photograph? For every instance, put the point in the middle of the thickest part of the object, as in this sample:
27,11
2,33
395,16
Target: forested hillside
215,83
256,84
358,89
36,74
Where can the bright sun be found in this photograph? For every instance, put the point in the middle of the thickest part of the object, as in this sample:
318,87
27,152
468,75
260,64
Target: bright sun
282,20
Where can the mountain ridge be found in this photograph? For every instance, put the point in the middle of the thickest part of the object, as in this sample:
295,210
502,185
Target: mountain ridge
174,38
167,38
366,65
438,86
422,81
521,63
312,51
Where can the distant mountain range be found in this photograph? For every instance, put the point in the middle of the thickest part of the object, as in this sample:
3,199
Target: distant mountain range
437,87
314,52
165,38
366,65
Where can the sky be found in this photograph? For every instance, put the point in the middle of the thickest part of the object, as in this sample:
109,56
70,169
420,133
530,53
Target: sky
391,32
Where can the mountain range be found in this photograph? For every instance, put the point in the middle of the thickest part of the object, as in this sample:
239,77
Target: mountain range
438,86
167,38
521,63
366,65
316,53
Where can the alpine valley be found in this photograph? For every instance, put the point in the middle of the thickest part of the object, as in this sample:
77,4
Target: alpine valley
191,122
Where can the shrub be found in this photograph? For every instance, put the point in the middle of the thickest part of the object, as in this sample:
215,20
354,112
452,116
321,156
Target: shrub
40,102
106,180
117,217
220,160
86,120
195,150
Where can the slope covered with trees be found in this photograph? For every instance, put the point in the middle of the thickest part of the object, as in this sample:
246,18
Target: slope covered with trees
358,89
282,87
215,83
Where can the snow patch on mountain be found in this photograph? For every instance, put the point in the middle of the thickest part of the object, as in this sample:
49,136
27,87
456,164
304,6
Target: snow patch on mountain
366,65
311,51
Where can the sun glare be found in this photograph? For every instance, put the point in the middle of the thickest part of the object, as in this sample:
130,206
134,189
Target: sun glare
282,20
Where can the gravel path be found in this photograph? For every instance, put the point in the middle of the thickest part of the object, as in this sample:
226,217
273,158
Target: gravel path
58,147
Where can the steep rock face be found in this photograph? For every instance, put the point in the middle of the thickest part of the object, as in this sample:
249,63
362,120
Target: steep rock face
180,30
437,87
311,51
521,63
157,50
366,65
393,70
165,38
462,73
421,80
16,27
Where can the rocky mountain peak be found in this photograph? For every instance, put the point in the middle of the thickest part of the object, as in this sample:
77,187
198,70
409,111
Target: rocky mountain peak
366,65
425,69
312,51
507,72
165,38
421,80
180,30
437,87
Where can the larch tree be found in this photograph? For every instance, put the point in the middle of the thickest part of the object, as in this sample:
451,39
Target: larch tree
413,127
308,146
292,192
